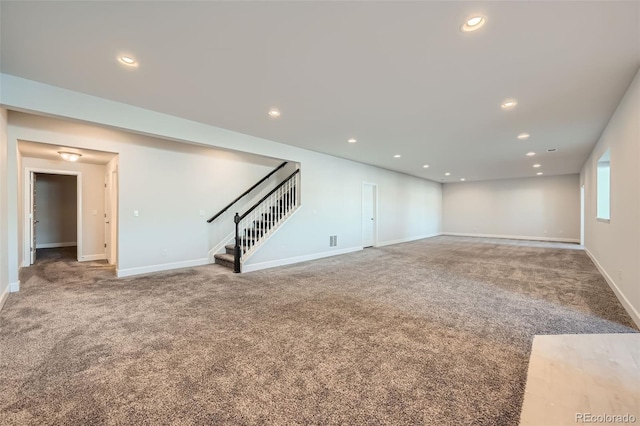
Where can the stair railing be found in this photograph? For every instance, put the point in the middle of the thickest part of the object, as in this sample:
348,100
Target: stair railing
246,192
264,216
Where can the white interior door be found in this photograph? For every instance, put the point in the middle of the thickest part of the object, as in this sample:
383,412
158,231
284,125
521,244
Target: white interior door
368,215
582,215
107,217
32,216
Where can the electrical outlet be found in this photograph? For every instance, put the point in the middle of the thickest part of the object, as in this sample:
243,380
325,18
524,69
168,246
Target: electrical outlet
136,213
165,252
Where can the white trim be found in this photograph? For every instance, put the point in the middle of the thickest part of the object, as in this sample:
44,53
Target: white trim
90,257
56,245
408,239
3,297
161,267
515,237
217,249
375,212
297,259
26,193
14,287
272,231
631,310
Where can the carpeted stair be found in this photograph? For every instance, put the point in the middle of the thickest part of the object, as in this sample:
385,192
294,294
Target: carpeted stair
259,229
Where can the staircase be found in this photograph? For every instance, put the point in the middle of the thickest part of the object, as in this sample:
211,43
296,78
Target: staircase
260,221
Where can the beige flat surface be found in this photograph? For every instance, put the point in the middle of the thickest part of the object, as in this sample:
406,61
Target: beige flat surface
582,374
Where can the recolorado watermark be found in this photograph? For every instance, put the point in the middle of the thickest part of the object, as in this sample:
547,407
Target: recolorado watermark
605,418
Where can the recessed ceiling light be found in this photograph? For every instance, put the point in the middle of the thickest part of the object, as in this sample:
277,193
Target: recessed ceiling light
397,156
539,173
352,140
523,136
69,156
473,23
462,179
509,104
531,154
447,174
535,166
128,60
274,113
426,166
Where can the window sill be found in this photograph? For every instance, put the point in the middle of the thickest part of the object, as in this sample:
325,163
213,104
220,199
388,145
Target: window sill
599,219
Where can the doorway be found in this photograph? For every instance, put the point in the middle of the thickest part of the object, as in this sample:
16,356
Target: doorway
54,213
369,214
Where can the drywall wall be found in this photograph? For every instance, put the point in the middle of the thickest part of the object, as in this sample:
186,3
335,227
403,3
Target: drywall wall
173,187
56,210
615,246
541,208
91,244
4,205
167,237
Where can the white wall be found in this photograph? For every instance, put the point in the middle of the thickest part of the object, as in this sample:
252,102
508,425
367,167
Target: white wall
169,184
56,211
169,187
615,246
540,208
91,247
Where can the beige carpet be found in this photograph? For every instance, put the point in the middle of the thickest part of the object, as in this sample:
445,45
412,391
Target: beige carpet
434,332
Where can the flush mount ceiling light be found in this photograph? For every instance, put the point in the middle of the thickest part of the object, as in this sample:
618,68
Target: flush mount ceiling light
397,156
426,166
69,156
128,60
531,154
473,23
462,179
523,136
274,113
509,104
447,174
535,166
352,140
539,173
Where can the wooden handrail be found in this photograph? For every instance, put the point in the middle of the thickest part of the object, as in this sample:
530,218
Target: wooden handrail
238,218
247,191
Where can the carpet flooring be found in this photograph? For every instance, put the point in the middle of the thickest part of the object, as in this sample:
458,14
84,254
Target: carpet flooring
433,332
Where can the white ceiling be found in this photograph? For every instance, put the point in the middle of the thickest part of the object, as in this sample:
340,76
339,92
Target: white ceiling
400,77
50,152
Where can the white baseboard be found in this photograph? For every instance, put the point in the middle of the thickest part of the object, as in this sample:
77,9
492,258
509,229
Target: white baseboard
14,287
631,310
406,240
514,237
90,257
291,260
162,267
56,245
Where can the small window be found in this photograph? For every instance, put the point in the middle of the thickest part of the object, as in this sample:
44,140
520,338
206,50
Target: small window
603,189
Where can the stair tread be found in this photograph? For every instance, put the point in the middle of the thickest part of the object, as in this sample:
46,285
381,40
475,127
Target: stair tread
224,256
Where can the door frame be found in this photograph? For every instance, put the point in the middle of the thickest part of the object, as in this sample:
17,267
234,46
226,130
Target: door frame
375,213
27,217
